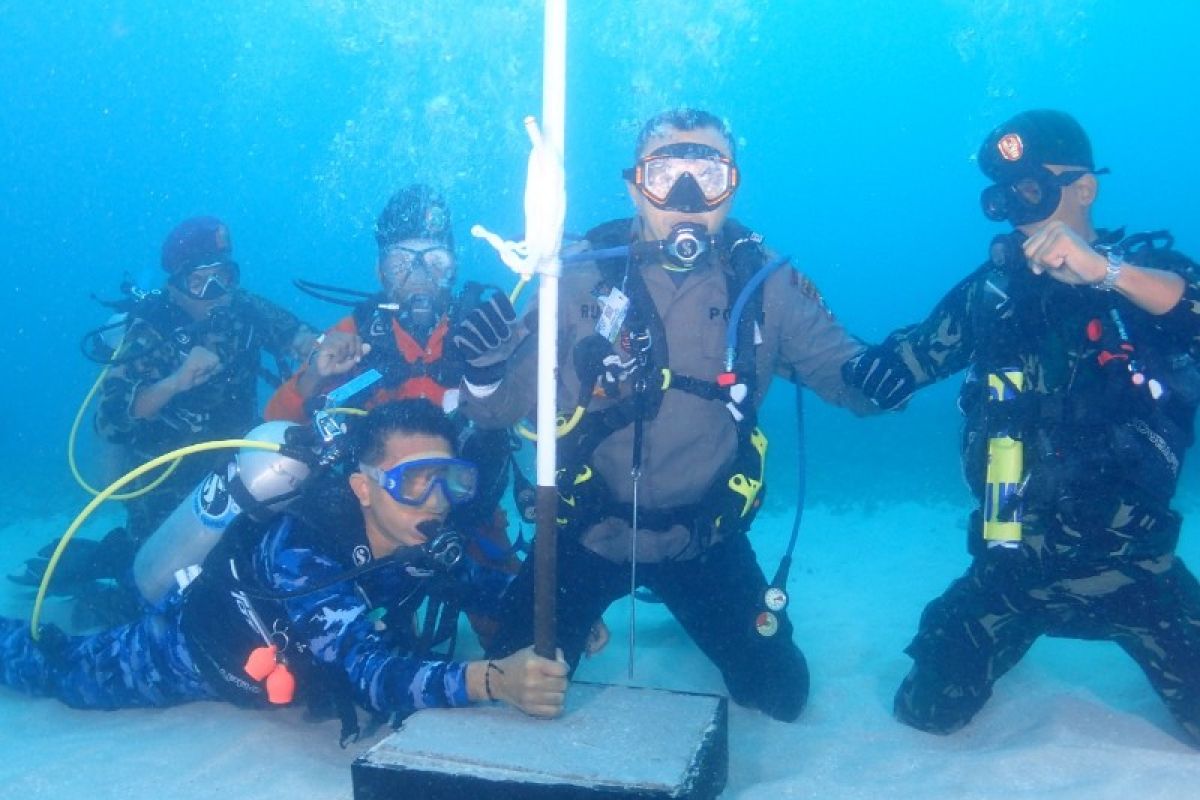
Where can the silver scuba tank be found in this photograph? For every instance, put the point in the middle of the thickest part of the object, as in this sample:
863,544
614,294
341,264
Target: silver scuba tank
257,482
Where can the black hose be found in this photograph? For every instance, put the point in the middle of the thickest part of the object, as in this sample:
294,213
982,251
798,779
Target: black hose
785,565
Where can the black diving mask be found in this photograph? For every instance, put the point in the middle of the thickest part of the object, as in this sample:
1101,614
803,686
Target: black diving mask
1029,198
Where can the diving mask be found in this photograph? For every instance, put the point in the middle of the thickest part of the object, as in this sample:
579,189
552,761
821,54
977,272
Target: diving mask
208,281
412,482
1029,198
401,264
685,176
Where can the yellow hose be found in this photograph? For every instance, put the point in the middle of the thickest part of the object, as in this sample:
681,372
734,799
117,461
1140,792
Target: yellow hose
132,475
565,425
74,466
515,294
354,412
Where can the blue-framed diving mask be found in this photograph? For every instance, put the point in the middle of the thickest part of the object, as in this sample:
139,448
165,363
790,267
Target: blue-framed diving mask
412,482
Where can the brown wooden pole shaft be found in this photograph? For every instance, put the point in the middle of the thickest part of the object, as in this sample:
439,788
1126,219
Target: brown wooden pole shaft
545,590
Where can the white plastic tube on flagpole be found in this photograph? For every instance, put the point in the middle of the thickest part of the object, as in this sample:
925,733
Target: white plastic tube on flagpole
545,212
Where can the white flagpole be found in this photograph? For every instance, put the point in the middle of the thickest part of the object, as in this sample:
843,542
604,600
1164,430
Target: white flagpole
545,212
544,219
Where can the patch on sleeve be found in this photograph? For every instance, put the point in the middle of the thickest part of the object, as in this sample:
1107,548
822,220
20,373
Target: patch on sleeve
810,290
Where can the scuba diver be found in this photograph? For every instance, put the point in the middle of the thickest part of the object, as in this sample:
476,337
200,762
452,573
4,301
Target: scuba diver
1079,400
319,604
401,333
667,349
185,370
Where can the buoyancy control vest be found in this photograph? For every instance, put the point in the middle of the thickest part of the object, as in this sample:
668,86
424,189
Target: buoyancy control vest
1086,416
236,328
396,351
732,501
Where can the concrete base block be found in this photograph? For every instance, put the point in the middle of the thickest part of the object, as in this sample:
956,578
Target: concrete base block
611,742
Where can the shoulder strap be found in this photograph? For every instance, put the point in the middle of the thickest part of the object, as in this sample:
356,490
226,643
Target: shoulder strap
613,233
374,324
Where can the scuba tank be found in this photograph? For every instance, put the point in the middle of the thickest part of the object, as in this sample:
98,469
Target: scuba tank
1005,461
258,483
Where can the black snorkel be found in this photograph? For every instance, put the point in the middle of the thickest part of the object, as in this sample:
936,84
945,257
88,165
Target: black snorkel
328,293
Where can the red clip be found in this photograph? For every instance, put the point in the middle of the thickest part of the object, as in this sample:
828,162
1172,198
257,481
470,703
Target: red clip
726,379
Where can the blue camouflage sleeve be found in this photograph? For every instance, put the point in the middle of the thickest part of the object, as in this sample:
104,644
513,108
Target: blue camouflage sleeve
336,625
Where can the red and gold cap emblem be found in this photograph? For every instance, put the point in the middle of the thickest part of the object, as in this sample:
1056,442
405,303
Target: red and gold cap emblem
1011,147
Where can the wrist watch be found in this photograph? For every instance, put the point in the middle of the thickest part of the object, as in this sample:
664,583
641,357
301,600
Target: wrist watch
1116,260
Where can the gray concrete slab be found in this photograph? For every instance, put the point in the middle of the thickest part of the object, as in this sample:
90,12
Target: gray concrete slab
611,742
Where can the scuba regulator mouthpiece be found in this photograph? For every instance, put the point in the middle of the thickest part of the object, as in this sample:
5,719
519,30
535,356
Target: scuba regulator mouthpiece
686,244
443,549
422,311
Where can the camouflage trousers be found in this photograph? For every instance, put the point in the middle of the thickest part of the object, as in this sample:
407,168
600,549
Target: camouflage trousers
143,664
989,618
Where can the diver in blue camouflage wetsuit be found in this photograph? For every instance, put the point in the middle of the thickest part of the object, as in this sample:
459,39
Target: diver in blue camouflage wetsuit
1080,345
333,585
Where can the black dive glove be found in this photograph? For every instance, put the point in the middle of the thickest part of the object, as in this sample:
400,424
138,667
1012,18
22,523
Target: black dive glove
484,337
882,376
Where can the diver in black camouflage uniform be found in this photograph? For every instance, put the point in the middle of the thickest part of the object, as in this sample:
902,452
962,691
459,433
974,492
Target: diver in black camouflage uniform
1097,332
189,364
186,371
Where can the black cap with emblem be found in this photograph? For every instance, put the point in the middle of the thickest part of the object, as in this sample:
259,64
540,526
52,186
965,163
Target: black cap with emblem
1033,139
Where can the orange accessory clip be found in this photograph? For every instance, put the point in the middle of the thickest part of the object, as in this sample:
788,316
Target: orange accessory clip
262,662
281,686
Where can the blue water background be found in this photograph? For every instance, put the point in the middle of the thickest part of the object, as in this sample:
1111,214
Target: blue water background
856,122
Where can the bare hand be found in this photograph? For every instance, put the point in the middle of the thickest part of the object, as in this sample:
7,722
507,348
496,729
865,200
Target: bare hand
200,365
1062,254
536,685
338,353
303,343
597,638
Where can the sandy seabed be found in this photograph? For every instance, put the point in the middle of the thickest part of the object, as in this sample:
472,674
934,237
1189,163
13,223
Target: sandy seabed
1073,720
